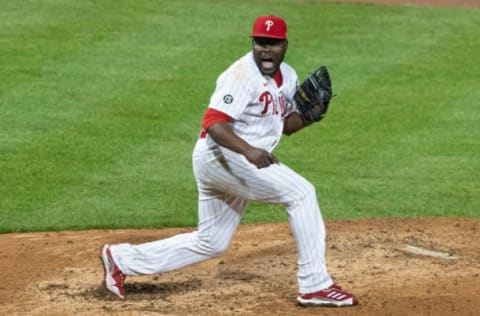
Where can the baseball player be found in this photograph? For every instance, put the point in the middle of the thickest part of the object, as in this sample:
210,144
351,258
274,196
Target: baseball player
250,109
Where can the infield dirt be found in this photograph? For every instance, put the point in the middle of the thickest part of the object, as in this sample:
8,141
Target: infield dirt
60,273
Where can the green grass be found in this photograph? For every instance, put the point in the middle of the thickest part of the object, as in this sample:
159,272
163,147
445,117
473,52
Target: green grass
101,103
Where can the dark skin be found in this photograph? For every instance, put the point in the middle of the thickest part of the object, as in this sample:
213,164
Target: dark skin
268,55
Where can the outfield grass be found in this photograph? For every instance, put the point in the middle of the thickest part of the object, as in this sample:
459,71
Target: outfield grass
102,101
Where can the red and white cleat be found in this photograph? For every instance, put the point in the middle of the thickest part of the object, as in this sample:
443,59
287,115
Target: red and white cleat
334,295
114,278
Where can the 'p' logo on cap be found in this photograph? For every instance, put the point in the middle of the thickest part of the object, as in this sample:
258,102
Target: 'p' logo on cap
268,24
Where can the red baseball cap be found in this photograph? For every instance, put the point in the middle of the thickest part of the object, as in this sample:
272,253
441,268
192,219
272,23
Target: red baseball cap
270,26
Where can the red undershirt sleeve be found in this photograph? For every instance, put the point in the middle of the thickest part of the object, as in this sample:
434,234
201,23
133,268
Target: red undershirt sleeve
212,116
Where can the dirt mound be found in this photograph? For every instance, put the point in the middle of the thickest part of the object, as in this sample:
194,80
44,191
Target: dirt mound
60,273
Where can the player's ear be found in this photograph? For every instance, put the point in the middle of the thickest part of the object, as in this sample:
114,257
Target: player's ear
285,46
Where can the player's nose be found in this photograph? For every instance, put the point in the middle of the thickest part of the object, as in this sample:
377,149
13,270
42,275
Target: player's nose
266,47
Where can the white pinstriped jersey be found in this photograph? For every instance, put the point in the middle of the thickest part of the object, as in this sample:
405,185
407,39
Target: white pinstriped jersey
258,107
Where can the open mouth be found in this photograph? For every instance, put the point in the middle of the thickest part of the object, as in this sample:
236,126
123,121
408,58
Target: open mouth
268,62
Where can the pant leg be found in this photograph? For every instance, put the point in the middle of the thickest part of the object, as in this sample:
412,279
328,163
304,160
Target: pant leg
308,229
219,217
305,219
279,184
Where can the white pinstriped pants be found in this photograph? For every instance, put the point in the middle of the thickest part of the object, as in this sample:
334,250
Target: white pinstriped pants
226,182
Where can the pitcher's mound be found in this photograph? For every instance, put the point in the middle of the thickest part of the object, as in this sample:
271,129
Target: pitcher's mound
394,266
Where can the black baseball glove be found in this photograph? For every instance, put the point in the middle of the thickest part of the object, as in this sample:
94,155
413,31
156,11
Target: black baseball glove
314,94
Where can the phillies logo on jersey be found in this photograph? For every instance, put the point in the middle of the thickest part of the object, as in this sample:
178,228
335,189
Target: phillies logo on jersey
270,105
